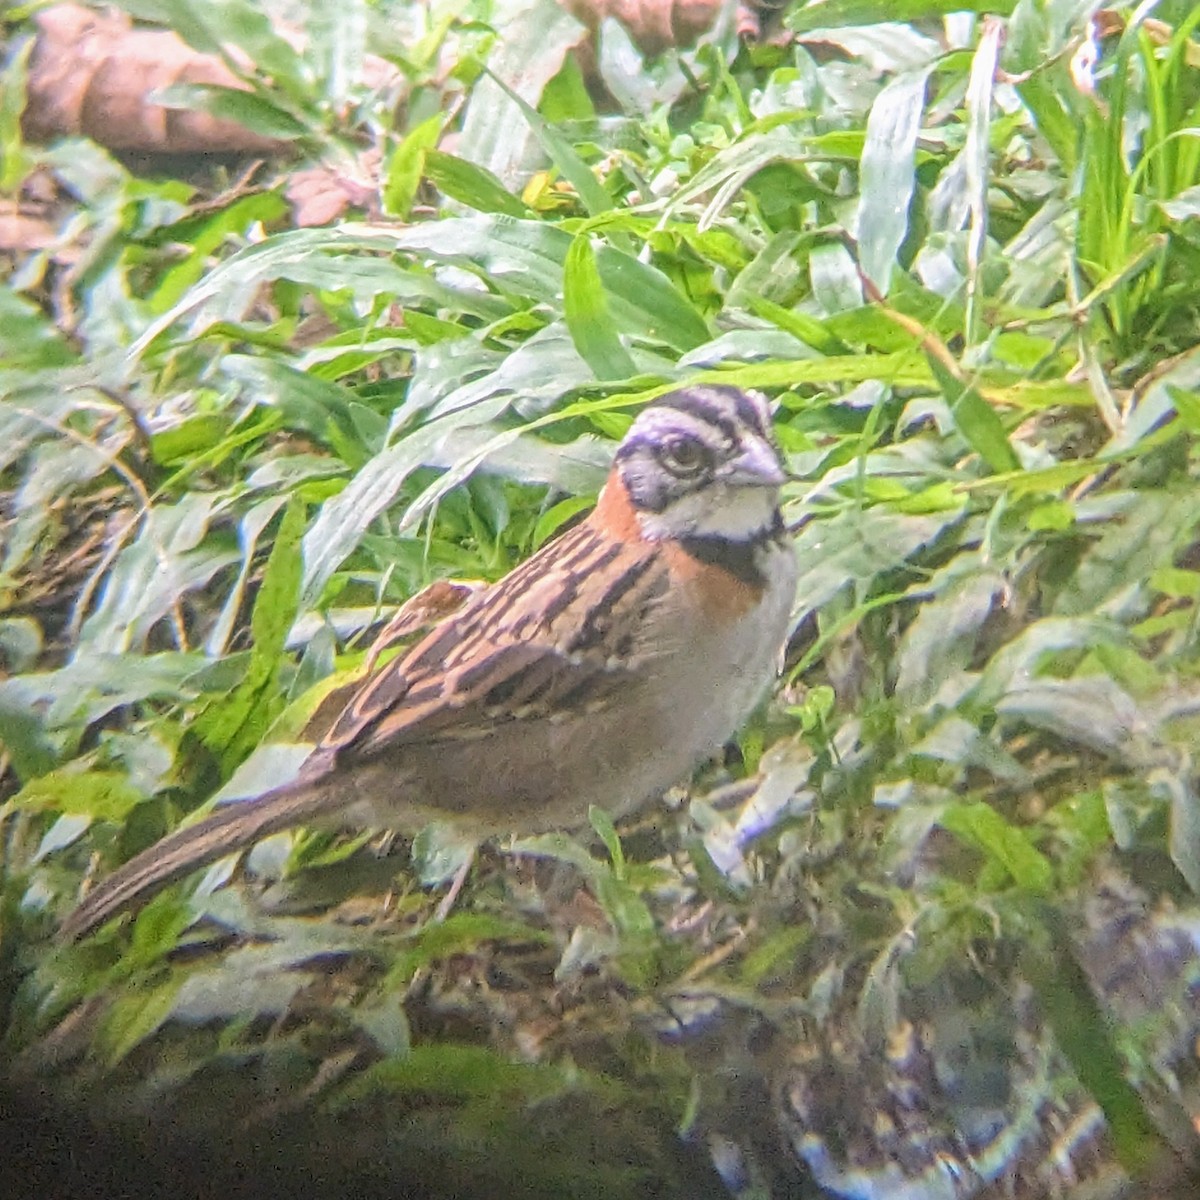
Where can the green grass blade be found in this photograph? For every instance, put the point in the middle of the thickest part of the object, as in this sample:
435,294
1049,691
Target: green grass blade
587,315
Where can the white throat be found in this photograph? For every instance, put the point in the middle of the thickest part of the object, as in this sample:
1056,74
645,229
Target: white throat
737,514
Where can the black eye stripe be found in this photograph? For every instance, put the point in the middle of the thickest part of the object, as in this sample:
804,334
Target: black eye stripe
696,404
719,421
733,400
651,442
751,414
727,409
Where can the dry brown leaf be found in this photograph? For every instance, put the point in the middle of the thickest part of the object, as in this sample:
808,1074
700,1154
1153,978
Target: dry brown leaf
20,233
322,193
93,73
653,24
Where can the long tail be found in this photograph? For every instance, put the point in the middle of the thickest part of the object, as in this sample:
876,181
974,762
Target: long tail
230,828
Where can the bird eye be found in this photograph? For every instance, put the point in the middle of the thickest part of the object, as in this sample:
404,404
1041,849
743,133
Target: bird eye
684,456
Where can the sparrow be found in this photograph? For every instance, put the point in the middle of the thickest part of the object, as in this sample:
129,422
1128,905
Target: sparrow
600,671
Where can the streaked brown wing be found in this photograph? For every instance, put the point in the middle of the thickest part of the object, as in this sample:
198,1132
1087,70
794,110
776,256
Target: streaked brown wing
553,635
518,682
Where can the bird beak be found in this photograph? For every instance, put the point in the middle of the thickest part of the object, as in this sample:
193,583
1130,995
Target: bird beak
756,466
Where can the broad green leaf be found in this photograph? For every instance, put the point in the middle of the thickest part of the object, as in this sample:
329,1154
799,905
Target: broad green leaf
250,530
156,931
275,605
1183,838
440,852
20,643
345,517
976,419
820,14
983,827
338,37
837,287
92,685
1091,711
710,878
1184,206
169,557
460,933
251,111
534,377
80,790
231,726
777,953
1153,527
980,92
179,15
308,404
407,165
1055,515
565,98
27,338
340,258
1085,1036
235,219
528,257
457,1072
14,78
135,1016
1020,659
211,26
636,86
602,823
253,982
562,848
940,642
536,40
962,745
181,442
1174,581
65,831
809,330
586,312
626,910
727,172
471,184
554,518
594,198
857,549
1187,405
887,174
886,46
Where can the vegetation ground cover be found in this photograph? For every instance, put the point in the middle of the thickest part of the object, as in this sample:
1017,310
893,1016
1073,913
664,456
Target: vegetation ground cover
932,923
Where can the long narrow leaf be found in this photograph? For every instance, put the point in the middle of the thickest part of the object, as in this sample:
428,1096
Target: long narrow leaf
976,420
595,199
587,316
888,174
